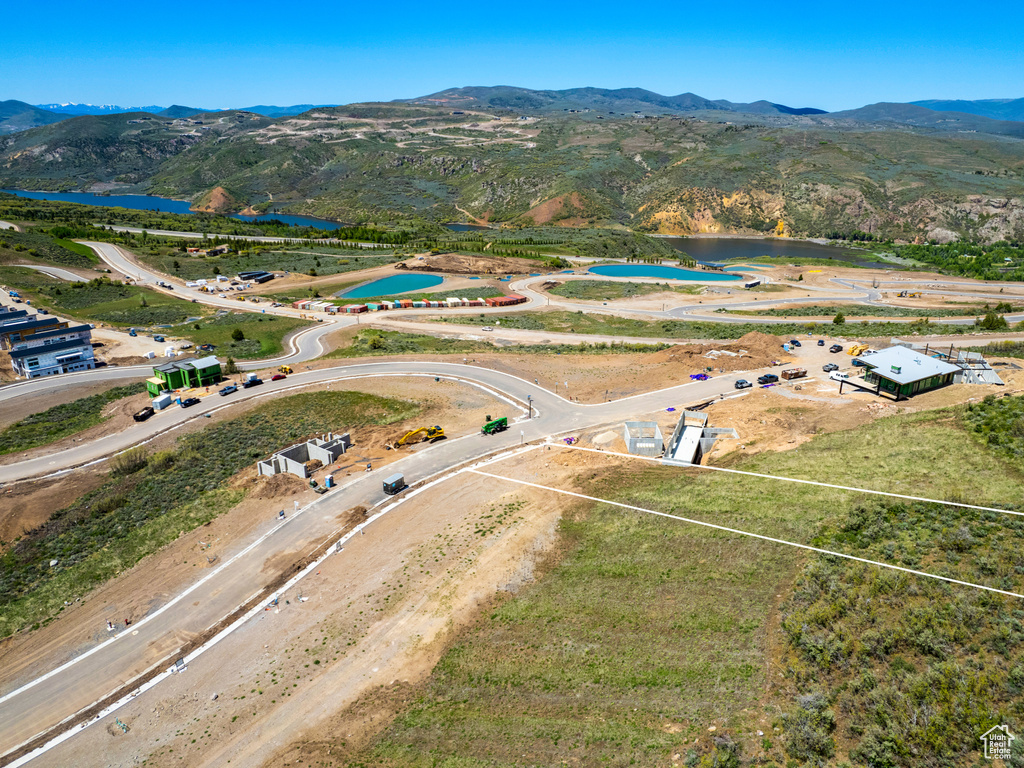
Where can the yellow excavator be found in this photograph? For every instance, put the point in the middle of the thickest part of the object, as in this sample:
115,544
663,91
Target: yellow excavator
423,433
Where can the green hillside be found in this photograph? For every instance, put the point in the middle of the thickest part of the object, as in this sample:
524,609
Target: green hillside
820,175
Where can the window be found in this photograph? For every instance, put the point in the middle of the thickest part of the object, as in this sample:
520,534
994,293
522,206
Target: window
32,362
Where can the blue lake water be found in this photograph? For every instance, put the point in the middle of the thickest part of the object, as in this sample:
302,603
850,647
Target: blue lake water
725,249
165,205
465,228
656,270
389,286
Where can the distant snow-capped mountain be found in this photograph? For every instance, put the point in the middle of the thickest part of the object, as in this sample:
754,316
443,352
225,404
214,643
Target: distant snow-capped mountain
71,108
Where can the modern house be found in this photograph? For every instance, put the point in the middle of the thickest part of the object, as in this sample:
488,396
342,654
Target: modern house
47,359
12,333
184,374
903,372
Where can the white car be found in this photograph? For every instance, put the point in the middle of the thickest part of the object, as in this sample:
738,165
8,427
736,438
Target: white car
839,376
223,295
487,328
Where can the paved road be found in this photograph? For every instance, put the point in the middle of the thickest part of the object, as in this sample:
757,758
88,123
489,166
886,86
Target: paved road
60,274
28,712
9,225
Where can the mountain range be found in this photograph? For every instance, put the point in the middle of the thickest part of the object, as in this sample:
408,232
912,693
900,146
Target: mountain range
953,114
584,157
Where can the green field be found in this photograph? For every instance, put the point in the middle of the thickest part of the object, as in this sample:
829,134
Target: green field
860,310
649,631
264,334
172,261
150,499
592,323
62,420
607,290
373,342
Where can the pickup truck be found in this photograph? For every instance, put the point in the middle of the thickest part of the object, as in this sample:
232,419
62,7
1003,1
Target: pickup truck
835,348
768,378
230,388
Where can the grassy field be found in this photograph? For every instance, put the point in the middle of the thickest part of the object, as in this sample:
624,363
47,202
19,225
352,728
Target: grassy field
16,247
605,290
172,261
579,322
647,632
264,334
149,500
859,310
377,342
62,420
105,301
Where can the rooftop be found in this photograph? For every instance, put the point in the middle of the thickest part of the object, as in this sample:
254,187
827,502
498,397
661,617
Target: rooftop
17,354
904,365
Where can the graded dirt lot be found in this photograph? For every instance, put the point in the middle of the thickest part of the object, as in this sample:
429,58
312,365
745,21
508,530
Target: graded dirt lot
376,616
459,408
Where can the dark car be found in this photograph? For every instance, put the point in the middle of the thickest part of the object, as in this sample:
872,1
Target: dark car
144,414
829,367
189,401
835,348
821,342
742,384
228,389
768,378
251,383
278,377
795,343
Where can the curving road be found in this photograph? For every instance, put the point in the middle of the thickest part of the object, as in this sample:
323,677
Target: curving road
29,706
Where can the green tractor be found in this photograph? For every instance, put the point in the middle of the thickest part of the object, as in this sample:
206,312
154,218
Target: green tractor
494,426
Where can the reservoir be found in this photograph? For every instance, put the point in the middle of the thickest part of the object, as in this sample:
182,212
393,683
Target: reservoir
165,205
725,249
389,286
656,270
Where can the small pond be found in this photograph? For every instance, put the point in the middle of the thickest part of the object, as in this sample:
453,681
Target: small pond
657,270
389,286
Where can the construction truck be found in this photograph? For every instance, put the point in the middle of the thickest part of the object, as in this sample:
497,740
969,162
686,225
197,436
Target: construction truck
286,369
423,433
856,350
493,426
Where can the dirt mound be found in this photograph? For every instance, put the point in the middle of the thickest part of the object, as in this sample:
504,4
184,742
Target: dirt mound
754,350
559,207
278,486
461,264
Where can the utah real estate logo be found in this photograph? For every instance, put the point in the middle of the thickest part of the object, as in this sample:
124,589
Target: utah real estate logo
997,742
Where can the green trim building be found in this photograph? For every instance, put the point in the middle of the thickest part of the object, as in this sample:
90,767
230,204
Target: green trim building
904,373
184,374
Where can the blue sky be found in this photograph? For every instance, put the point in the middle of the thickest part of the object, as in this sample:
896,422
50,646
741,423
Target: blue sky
215,54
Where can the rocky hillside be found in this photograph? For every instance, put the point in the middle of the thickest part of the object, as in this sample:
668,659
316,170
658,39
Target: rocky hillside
812,175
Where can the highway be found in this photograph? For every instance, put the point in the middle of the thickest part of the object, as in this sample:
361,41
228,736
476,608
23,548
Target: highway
32,706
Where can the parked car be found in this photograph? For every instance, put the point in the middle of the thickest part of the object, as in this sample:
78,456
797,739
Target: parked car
768,378
228,389
829,367
835,348
144,414
186,345
742,384
839,376
487,328
158,339
189,401
251,383
821,342
278,377
795,343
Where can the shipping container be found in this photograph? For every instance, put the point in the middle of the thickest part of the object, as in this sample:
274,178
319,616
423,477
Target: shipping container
794,373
